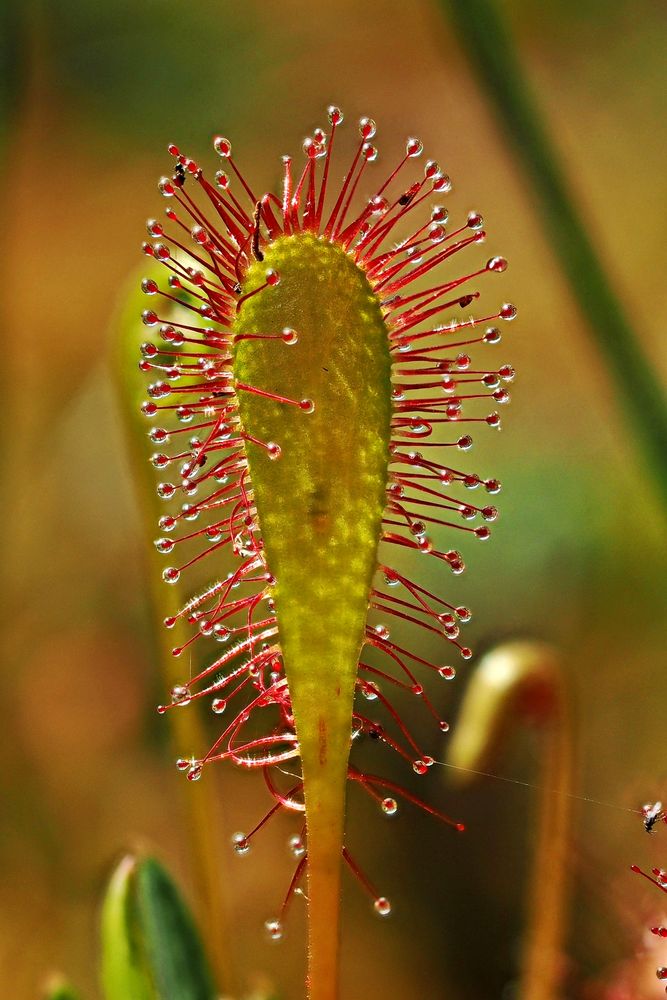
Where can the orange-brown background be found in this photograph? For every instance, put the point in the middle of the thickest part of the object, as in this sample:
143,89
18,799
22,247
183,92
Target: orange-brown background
93,94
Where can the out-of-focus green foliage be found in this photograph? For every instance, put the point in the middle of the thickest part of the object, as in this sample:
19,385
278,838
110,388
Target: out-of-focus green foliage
59,989
10,65
150,946
151,69
494,55
516,681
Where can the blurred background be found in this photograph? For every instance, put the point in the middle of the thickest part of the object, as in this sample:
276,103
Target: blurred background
92,94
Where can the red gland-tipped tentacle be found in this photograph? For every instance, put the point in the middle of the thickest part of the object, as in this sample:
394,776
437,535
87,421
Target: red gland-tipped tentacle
369,781
381,904
658,876
296,878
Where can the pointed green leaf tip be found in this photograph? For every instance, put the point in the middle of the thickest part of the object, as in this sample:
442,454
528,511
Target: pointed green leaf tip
59,989
150,947
320,503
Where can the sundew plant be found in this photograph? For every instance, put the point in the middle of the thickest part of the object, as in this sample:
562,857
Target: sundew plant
318,364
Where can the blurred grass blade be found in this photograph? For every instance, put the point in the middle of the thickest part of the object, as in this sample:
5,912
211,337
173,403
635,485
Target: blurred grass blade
124,971
150,946
490,47
188,736
515,683
175,953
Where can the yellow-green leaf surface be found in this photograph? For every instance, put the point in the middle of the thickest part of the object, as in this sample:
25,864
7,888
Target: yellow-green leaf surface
319,508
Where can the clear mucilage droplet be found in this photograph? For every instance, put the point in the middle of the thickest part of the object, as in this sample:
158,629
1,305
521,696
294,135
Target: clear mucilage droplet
296,846
241,843
274,929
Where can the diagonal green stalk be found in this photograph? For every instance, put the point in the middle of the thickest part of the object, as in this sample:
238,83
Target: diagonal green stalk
489,44
188,736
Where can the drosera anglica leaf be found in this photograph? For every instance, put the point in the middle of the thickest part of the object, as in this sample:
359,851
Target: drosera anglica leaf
298,415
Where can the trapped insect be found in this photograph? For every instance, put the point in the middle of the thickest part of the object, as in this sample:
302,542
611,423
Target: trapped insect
653,813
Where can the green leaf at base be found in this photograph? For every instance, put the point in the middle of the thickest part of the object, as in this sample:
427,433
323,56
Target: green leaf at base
150,946
59,989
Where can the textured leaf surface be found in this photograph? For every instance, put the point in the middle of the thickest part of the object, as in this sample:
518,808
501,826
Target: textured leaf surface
320,504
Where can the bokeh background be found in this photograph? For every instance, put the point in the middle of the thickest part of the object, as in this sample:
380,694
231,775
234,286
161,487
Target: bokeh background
92,94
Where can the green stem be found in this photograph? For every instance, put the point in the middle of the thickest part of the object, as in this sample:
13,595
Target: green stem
325,814
492,52
325,748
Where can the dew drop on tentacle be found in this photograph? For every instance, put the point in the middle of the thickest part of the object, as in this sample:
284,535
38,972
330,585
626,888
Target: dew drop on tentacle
367,128
222,146
274,929
241,844
382,906
296,846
